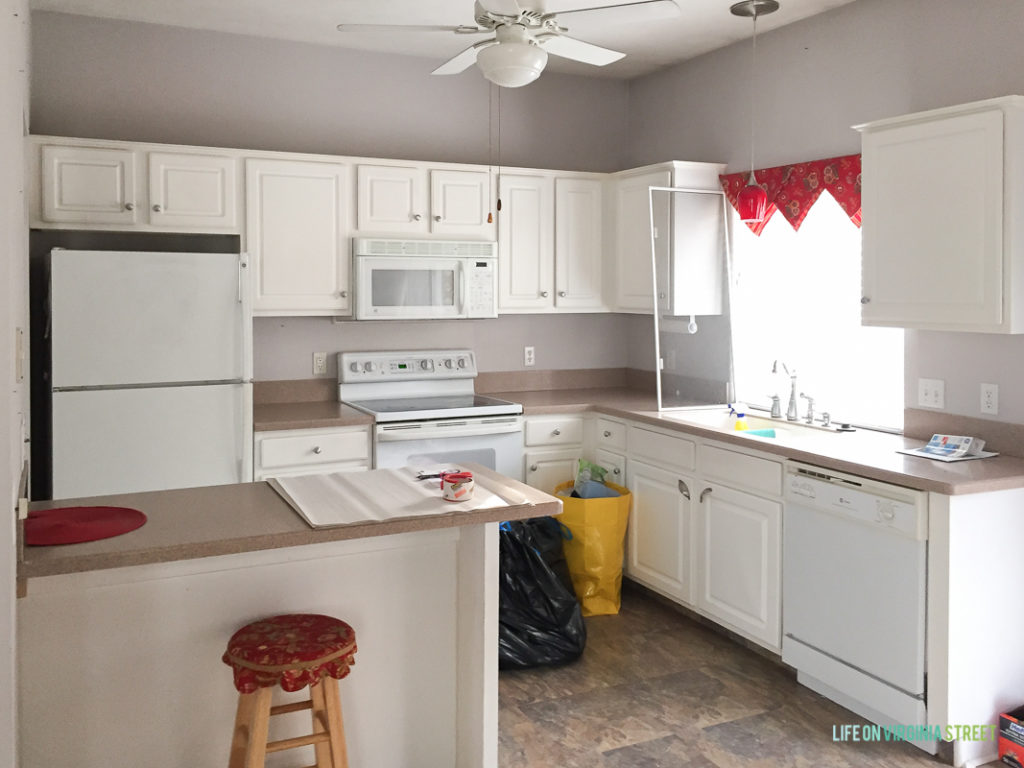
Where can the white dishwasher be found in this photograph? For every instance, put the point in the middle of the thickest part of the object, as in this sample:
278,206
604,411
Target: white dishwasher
854,570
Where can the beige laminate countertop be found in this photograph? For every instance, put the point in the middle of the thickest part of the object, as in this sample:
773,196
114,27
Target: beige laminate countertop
275,416
864,452
191,523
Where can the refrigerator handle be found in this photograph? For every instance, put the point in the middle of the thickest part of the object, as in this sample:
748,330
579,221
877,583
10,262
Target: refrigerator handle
242,264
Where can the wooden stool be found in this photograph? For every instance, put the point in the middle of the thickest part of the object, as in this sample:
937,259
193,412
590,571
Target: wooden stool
292,651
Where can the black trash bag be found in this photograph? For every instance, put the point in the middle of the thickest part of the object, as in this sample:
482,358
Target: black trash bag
548,534
540,622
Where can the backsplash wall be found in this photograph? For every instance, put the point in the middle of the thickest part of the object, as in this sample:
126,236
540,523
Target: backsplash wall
283,347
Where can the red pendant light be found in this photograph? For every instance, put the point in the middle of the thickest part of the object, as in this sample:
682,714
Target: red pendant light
752,201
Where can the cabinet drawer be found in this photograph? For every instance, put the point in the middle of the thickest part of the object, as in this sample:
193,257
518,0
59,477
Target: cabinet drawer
308,447
611,435
660,449
554,430
741,471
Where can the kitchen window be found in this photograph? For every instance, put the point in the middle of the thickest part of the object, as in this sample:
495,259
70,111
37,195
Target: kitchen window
796,299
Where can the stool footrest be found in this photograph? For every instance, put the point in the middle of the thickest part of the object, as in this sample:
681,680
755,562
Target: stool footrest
298,706
298,741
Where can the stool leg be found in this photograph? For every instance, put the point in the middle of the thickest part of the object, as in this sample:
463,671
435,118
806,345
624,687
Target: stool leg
259,729
335,723
321,723
243,727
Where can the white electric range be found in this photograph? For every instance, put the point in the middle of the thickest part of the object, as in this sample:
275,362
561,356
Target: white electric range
426,411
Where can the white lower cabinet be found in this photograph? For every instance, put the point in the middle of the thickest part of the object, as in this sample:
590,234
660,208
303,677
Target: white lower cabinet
739,555
659,538
553,445
287,453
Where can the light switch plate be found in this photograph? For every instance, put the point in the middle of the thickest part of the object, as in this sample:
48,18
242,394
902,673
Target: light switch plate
931,393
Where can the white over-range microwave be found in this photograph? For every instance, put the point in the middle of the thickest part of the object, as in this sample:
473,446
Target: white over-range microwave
424,279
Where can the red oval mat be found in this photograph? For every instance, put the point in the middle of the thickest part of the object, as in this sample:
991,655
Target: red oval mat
73,525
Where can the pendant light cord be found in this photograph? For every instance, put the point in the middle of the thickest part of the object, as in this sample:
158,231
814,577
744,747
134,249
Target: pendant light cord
753,94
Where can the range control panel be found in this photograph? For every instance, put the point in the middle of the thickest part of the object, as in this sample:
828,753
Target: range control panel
406,366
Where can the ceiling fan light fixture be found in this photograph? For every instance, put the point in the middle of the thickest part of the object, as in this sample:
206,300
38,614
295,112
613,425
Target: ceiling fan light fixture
512,64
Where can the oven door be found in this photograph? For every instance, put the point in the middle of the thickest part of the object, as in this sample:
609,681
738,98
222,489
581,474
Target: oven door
495,442
409,288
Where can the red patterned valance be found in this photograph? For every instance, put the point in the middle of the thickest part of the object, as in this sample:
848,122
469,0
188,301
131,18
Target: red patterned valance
793,189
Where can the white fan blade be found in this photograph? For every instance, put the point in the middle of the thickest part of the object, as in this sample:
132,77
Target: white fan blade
501,7
463,29
462,61
623,13
577,50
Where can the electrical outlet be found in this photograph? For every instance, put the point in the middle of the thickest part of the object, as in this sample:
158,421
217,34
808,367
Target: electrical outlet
931,393
529,358
319,363
990,398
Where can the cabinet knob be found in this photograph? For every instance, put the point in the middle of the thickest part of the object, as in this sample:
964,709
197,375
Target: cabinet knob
683,489
533,467
704,493
661,295
417,217
343,294
543,294
157,208
563,294
317,449
607,433
616,471
865,299
556,432
437,218
129,206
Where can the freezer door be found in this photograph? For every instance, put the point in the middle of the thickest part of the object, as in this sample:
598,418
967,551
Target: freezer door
124,317
122,441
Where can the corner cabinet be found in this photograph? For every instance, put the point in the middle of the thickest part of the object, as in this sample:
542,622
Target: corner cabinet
689,239
297,233
943,213
550,243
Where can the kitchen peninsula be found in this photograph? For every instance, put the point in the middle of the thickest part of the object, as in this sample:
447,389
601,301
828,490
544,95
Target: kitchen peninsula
121,639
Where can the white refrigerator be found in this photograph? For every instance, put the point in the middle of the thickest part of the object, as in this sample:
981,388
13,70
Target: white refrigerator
151,381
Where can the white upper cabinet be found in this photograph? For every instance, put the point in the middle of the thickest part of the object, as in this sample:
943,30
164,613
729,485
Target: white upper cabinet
416,200
943,213
192,191
129,187
88,185
526,243
460,202
689,238
297,233
578,244
391,199
550,242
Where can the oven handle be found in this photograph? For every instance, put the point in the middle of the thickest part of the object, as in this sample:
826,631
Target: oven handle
387,433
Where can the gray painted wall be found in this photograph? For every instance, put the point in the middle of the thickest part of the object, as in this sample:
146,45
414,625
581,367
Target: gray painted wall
863,61
142,82
286,344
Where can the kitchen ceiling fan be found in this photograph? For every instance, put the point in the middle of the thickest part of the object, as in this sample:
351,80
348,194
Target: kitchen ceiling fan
524,36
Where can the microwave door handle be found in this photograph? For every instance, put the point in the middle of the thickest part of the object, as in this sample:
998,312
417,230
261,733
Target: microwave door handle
460,281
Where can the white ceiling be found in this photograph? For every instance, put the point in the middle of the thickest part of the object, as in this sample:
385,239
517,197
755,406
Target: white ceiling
649,43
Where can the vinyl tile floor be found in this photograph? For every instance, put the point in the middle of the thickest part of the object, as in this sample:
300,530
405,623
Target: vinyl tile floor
657,689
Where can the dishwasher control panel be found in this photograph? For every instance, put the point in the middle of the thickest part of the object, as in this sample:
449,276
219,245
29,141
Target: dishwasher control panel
894,507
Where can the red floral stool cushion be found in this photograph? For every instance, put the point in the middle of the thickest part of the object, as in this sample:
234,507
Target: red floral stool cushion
292,651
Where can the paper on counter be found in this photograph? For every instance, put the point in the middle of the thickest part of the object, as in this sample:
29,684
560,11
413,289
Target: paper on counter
348,498
951,448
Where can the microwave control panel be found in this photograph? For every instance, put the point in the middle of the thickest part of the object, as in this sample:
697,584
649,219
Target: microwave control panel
481,288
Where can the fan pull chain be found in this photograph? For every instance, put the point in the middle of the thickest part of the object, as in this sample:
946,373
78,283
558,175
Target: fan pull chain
490,154
499,144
